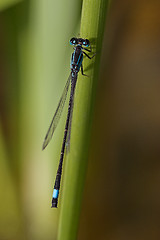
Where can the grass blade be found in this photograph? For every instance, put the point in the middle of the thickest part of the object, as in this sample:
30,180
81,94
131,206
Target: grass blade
92,27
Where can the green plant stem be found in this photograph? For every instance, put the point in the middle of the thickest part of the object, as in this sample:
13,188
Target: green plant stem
92,27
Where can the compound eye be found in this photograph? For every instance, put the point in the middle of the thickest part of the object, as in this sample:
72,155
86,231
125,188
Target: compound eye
73,41
86,42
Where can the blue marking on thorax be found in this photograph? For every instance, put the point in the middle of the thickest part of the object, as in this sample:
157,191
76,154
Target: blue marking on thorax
55,193
80,63
79,59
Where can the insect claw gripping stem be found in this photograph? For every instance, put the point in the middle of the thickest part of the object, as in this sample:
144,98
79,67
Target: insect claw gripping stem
83,72
80,46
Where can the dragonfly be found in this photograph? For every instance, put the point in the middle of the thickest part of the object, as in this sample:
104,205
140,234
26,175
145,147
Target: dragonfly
80,47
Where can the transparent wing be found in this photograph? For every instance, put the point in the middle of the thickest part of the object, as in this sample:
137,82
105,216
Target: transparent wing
69,130
57,115
70,126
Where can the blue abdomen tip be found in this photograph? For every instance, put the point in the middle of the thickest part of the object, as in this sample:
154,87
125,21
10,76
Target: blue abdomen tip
55,193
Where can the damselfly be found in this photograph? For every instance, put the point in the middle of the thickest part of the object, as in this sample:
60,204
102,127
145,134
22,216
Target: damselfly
80,46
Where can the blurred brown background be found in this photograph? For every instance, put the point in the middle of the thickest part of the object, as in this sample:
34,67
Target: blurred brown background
122,194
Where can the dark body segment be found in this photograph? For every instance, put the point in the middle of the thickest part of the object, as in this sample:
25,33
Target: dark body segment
80,45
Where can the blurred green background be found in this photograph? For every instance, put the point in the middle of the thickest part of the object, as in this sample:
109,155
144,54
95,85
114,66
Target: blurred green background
122,196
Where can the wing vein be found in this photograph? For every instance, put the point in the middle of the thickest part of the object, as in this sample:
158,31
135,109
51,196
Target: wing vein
57,115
